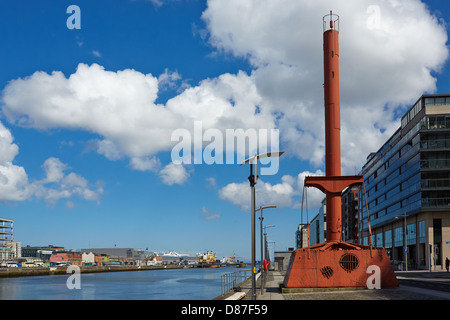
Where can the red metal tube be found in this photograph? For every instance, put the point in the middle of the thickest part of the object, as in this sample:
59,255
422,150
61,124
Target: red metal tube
332,129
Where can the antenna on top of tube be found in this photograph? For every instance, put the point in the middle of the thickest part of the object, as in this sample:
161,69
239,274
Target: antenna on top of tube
331,22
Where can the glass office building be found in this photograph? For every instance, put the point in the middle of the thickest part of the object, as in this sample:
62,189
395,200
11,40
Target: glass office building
407,186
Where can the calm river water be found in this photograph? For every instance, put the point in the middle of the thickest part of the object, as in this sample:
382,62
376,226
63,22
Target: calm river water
172,284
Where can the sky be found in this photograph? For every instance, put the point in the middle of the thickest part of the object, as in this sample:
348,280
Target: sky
98,98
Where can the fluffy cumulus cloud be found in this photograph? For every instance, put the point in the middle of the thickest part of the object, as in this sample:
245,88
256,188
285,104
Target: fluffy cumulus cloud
14,183
57,184
287,193
120,106
388,53
174,174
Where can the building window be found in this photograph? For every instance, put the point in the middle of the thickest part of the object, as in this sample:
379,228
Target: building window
379,239
435,199
439,101
366,241
388,239
422,231
435,122
398,237
429,101
411,234
393,208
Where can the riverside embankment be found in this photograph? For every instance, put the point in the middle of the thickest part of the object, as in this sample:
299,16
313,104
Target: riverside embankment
42,271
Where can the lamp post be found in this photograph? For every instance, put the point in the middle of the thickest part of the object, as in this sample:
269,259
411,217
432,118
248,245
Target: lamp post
261,218
263,272
405,239
253,178
267,248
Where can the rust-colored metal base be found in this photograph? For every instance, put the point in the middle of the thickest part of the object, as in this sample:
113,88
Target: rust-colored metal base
337,264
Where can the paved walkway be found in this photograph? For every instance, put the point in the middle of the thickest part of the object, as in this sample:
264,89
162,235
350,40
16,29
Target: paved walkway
272,290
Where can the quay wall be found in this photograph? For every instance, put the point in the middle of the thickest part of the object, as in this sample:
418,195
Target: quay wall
43,271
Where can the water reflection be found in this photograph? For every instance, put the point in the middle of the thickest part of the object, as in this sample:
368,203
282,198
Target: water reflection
173,284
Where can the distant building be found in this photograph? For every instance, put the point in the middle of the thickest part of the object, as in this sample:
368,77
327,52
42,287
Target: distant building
137,254
90,259
118,256
281,260
16,249
6,237
350,214
301,236
154,261
74,258
408,187
41,252
318,226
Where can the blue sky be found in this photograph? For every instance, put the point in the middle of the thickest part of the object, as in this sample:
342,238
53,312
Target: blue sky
70,173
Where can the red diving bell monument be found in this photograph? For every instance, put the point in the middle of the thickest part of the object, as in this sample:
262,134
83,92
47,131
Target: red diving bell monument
336,263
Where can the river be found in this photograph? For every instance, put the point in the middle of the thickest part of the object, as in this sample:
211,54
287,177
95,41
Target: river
170,284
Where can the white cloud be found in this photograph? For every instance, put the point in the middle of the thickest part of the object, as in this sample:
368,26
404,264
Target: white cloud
159,3
70,205
208,215
96,53
15,185
108,149
287,193
8,149
54,170
168,79
59,185
382,67
145,164
174,174
120,106
211,182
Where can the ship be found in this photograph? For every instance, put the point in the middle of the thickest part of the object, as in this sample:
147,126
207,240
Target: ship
233,261
208,260
174,254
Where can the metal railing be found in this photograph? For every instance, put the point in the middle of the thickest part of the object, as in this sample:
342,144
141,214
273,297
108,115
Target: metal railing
231,280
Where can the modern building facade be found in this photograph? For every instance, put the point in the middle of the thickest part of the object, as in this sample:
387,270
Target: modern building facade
124,255
42,252
318,226
6,238
74,258
301,236
407,184
350,213
15,249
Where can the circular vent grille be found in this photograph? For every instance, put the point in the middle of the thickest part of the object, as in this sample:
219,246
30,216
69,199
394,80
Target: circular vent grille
349,262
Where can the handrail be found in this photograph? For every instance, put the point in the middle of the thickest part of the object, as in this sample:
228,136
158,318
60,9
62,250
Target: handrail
230,280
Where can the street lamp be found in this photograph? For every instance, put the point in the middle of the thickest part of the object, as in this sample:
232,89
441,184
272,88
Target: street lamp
253,178
263,272
261,218
405,244
267,248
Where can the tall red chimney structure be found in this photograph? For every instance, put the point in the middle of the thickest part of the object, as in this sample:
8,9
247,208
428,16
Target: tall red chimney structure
335,263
